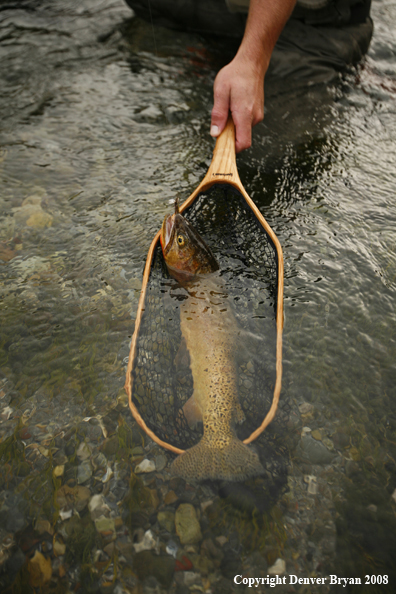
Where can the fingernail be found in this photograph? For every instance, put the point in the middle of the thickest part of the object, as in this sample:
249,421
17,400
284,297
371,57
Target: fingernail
214,131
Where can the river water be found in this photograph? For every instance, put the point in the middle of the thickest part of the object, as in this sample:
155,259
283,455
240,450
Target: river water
103,120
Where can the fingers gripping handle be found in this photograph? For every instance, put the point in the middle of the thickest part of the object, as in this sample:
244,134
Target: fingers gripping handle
223,164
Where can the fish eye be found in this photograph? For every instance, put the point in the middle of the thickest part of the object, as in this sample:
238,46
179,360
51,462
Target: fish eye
180,240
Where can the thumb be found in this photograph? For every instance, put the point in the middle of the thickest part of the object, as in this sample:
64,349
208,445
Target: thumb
220,108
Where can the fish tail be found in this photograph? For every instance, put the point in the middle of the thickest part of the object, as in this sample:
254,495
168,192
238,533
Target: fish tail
233,462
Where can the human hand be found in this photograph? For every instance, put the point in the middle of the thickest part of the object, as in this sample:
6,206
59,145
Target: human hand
239,89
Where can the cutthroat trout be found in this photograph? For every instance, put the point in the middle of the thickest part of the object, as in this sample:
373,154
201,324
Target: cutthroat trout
210,331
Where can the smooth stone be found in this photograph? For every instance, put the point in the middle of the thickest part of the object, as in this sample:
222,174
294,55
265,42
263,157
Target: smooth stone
316,434
166,519
42,526
277,568
111,446
341,440
221,540
105,525
109,549
107,475
73,496
40,570
59,548
328,443
312,484
162,567
145,466
315,451
160,462
81,497
84,472
155,501
147,543
59,471
172,548
65,515
99,461
31,214
95,502
98,507
170,498
306,408
191,578
206,504
39,220
83,451
138,451
187,524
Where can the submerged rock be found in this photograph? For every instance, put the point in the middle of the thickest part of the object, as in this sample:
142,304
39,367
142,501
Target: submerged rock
188,528
160,462
170,498
84,472
277,568
69,497
162,567
314,451
40,570
166,519
98,507
105,527
145,466
32,214
147,543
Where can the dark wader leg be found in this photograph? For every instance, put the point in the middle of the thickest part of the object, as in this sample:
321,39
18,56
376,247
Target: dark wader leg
322,37
201,16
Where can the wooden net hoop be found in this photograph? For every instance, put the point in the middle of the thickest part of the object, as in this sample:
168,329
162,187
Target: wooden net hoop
223,171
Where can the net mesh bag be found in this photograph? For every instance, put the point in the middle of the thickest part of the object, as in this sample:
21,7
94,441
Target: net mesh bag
160,378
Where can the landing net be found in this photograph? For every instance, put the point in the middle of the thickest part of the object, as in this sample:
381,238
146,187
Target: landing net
159,380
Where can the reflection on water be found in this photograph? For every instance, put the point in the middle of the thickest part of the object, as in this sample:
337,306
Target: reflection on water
99,132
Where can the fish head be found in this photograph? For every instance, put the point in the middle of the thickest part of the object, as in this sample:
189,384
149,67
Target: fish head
185,252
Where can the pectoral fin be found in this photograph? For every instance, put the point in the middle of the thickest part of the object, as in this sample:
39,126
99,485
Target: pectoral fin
192,412
182,358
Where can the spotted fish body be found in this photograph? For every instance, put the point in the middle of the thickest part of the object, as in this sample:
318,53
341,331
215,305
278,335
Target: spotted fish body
210,332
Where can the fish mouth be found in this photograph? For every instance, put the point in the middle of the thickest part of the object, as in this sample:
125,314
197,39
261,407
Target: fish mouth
167,232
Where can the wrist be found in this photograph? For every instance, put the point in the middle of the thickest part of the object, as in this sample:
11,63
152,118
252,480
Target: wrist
253,58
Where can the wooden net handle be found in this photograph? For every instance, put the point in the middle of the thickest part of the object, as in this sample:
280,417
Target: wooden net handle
223,165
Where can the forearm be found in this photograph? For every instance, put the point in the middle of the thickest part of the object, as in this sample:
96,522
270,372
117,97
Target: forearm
239,86
265,22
